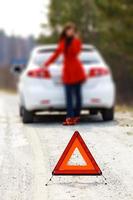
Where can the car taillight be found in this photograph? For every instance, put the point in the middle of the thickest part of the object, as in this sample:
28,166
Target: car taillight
96,72
39,73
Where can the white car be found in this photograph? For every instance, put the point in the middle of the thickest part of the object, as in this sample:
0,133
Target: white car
39,91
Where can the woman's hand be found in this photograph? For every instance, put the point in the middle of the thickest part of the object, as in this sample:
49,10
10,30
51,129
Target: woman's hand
44,65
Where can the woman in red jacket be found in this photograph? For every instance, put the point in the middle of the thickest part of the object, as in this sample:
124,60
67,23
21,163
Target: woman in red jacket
73,73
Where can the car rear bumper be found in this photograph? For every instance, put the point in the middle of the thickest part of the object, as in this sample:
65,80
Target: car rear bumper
50,98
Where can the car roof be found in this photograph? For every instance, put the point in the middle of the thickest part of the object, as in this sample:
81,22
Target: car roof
54,46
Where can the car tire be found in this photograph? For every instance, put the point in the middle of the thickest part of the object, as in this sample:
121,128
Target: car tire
108,114
21,111
27,117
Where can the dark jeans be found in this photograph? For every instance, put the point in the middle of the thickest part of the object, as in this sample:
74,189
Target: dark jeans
73,99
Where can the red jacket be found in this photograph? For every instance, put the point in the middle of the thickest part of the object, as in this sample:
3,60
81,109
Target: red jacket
73,71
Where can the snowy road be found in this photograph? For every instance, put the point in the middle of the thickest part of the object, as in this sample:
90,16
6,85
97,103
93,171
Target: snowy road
28,154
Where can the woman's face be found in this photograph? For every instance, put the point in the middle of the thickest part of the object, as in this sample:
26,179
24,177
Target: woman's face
70,32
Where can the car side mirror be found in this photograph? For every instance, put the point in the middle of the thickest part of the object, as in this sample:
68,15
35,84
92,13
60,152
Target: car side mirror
17,69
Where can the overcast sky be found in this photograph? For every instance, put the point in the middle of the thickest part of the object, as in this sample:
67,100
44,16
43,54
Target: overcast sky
22,17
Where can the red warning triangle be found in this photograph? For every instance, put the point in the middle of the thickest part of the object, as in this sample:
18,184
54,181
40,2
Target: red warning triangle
89,168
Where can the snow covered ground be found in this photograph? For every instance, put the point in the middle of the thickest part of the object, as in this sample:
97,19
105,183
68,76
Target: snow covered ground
28,154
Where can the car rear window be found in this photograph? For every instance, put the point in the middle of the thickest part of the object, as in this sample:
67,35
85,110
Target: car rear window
87,56
40,58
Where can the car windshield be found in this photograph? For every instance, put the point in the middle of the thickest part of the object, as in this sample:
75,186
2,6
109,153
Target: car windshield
86,57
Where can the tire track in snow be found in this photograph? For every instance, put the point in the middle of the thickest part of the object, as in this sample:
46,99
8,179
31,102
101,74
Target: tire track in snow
40,173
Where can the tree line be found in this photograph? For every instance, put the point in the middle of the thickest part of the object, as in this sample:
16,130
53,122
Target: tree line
106,24
14,48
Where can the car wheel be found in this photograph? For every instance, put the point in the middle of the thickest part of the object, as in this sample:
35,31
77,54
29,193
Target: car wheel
108,114
28,116
21,111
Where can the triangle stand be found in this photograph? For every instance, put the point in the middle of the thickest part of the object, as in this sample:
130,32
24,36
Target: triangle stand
49,181
90,168
105,180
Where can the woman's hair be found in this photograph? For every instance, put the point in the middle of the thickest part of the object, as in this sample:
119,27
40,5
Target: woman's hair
67,27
